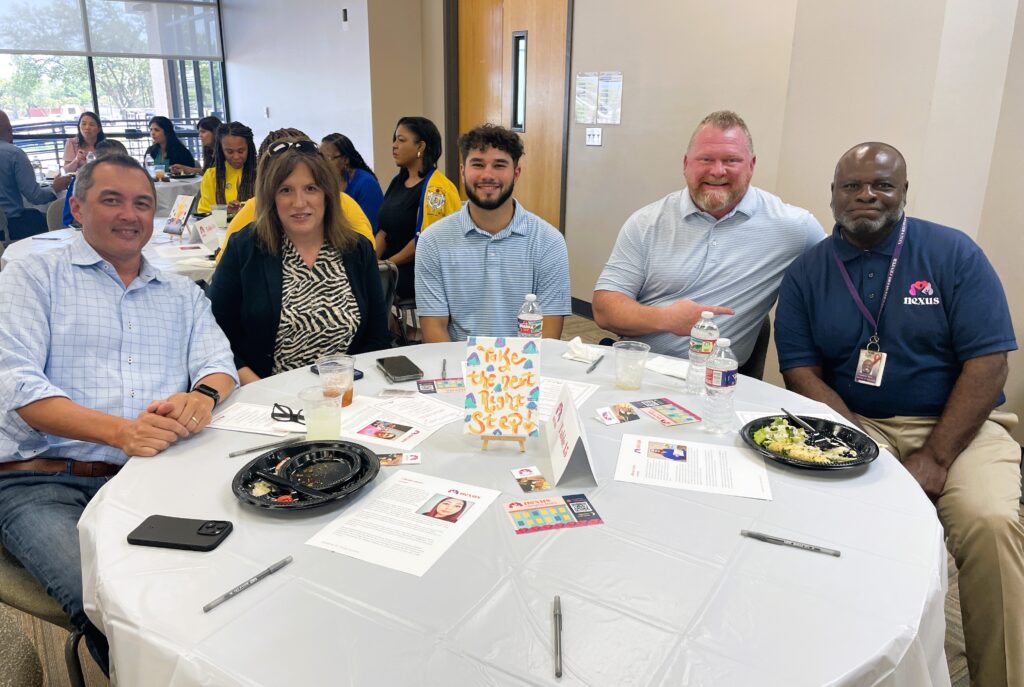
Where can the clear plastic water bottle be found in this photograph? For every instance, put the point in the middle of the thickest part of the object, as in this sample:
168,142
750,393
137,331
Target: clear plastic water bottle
702,344
531,319
37,169
720,383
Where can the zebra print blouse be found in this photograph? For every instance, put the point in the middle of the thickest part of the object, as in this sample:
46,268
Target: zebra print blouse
319,313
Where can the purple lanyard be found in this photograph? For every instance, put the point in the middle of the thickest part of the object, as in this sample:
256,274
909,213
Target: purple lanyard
873,341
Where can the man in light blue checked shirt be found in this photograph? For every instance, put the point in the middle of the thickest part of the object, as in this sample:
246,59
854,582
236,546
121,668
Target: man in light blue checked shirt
474,268
102,357
719,244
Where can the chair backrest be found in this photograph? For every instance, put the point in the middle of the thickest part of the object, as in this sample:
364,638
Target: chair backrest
754,367
5,238
55,215
389,281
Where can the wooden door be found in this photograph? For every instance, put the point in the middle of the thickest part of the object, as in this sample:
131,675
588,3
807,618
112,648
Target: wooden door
487,34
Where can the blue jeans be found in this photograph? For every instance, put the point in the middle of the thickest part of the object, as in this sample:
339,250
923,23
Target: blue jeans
39,516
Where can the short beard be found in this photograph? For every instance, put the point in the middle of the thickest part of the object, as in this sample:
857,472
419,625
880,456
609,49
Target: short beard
489,204
869,231
713,201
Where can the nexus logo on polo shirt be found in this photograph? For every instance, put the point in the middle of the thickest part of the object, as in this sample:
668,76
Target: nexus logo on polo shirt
924,289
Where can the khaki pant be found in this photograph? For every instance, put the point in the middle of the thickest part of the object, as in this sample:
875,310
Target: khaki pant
979,511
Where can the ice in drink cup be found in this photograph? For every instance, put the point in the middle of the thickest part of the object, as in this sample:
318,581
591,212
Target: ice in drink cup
630,359
336,371
159,173
220,216
322,409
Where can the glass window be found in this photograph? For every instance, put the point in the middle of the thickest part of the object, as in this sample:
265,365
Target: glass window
41,25
519,81
43,95
153,28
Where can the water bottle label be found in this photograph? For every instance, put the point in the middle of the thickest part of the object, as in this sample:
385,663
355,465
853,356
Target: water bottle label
529,327
720,378
702,345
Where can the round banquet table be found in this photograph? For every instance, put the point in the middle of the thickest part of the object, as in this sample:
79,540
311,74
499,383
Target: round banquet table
664,592
195,269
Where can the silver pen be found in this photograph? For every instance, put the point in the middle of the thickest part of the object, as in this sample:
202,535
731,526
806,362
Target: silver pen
594,364
276,444
558,636
760,536
444,368
248,583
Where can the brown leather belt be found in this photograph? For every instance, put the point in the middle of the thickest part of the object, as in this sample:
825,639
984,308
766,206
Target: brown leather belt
56,466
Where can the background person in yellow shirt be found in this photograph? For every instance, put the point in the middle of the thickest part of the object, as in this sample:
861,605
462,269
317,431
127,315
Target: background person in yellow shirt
246,214
232,179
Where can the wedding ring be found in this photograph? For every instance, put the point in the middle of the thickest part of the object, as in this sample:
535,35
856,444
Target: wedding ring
194,419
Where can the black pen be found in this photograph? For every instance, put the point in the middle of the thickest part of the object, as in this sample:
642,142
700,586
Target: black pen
594,364
760,536
248,583
558,636
444,367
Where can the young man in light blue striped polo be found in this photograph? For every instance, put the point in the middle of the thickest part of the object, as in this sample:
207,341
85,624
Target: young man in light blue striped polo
475,267
719,244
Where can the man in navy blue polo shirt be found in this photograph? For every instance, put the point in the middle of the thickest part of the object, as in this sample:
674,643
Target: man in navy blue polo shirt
902,326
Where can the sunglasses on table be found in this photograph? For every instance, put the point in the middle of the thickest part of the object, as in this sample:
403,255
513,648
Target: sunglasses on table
307,147
283,413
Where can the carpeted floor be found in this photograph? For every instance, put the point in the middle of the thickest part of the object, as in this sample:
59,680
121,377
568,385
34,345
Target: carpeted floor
49,639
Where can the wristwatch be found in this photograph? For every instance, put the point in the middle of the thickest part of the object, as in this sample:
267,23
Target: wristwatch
208,391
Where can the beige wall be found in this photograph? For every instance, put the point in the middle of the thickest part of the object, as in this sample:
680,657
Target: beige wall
406,70
943,80
1001,232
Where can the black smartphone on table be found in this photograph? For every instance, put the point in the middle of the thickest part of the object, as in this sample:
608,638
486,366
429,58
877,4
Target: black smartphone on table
398,368
169,532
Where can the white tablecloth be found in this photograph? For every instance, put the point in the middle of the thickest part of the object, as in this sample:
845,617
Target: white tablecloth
166,193
192,268
665,592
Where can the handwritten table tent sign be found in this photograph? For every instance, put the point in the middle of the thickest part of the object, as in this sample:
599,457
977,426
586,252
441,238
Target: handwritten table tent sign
502,387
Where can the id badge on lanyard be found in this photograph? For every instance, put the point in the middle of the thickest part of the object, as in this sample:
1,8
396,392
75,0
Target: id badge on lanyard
871,361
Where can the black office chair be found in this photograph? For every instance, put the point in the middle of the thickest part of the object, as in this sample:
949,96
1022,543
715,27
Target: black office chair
754,367
389,282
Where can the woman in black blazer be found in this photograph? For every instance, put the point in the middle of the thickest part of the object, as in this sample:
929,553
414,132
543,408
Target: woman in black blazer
298,283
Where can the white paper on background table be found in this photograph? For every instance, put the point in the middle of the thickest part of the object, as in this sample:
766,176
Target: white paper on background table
550,388
401,527
174,251
390,421
684,464
253,418
671,367
426,411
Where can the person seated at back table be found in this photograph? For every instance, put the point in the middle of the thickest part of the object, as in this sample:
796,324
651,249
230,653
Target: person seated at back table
108,146
17,179
232,179
357,179
90,134
167,149
102,357
475,268
902,327
247,212
719,244
298,283
207,130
